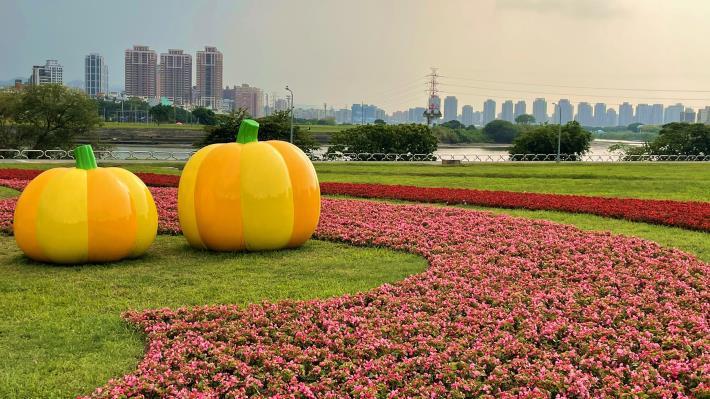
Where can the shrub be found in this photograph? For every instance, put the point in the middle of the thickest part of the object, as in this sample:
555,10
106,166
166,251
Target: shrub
500,131
393,139
543,140
273,127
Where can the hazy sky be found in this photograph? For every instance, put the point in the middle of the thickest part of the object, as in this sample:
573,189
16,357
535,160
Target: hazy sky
378,51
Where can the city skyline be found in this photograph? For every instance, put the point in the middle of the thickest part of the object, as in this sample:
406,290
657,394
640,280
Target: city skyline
383,63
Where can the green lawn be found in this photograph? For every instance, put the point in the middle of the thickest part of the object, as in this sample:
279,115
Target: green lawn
667,180
61,330
324,129
678,181
7,192
131,125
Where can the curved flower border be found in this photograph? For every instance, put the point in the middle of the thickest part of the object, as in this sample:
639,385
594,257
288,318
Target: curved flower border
509,307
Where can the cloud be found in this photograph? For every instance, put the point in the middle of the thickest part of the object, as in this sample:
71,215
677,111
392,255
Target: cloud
570,8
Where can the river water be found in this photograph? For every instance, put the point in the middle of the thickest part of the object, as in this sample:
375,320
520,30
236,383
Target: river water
597,147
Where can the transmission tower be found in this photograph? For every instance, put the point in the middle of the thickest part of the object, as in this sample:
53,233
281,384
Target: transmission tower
433,110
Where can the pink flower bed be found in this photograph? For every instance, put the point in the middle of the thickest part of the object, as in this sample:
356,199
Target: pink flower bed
687,214
508,308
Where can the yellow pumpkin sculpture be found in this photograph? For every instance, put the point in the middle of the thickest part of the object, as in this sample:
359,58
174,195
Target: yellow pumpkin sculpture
248,195
85,214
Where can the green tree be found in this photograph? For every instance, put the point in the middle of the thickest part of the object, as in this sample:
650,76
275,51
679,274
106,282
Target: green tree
204,116
393,139
500,131
525,119
273,127
543,140
682,139
635,127
453,124
379,122
48,117
162,113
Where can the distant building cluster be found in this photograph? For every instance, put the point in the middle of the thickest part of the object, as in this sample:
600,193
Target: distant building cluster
563,111
165,78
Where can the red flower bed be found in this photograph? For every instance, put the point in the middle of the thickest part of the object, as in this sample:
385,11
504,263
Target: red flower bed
687,214
150,179
508,308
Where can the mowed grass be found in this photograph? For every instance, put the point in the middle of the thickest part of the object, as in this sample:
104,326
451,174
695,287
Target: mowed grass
676,181
667,180
61,334
6,192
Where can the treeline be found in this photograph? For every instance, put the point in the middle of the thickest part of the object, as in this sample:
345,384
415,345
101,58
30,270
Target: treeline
673,139
46,117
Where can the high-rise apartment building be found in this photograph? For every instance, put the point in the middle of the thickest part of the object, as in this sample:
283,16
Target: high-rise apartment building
95,75
489,111
467,115
688,116
141,68
209,77
643,114
612,119
506,111
585,117
451,108
657,114
704,115
50,72
564,112
600,115
249,98
626,114
672,113
540,110
176,76
519,109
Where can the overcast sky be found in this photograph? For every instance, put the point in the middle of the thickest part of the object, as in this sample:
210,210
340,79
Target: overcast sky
379,51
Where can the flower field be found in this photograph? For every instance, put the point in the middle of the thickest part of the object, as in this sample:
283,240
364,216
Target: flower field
509,307
687,214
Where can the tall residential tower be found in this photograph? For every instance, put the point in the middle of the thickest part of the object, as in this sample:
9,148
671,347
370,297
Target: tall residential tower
209,78
95,75
176,77
141,72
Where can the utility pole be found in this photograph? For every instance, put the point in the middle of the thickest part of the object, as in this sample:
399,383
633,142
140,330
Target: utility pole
559,131
290,91
433,111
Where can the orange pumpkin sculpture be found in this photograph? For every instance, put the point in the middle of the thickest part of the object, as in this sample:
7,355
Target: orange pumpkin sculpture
85,214
248,195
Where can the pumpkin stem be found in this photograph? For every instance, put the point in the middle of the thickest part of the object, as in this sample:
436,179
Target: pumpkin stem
248,131
85,158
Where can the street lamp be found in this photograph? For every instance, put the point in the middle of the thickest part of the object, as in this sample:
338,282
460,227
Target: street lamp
291,91
559,131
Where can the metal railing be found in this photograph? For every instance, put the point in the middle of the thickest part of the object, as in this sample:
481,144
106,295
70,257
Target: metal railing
144,155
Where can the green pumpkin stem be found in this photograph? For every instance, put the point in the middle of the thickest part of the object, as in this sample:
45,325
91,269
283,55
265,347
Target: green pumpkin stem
248,131
85,158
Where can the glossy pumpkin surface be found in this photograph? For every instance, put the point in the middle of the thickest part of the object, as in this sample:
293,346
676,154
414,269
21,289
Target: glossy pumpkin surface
248,195
85,214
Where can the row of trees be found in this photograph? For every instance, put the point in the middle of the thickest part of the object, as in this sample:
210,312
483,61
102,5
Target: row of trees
674,139
276,126
46,117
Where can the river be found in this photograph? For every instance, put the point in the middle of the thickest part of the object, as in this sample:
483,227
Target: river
598,147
